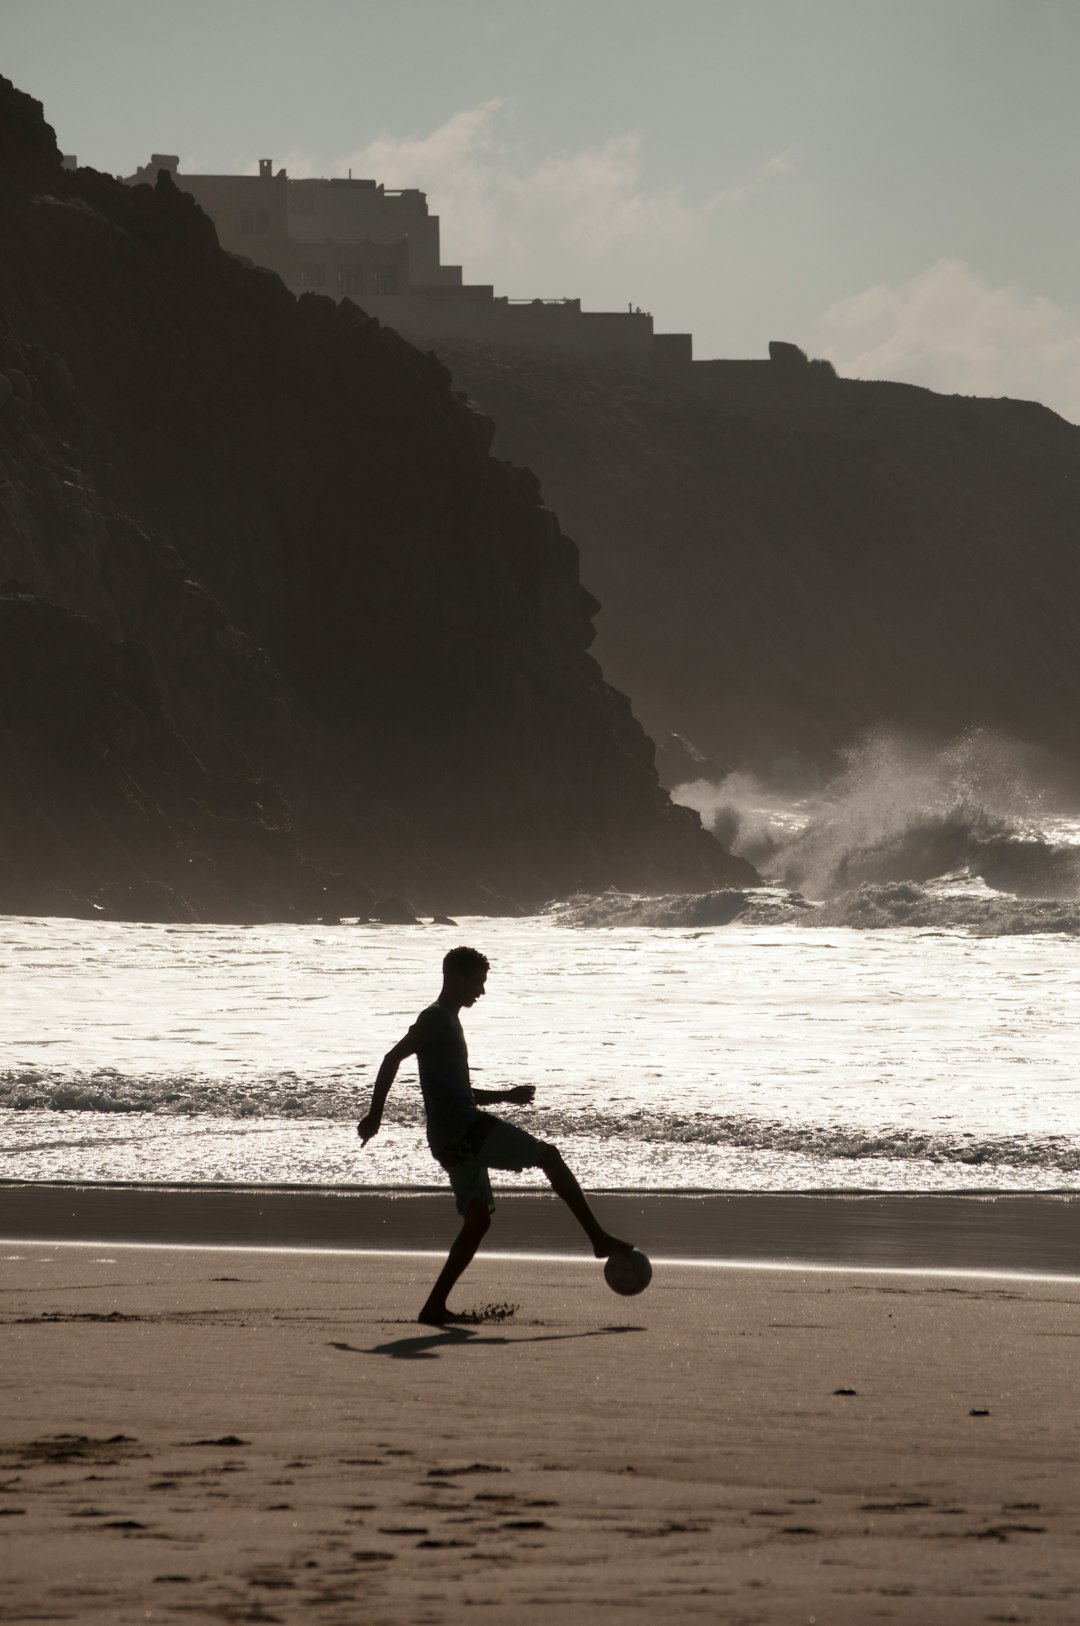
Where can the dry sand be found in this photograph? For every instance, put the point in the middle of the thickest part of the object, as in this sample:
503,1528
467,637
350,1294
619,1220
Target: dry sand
264,1435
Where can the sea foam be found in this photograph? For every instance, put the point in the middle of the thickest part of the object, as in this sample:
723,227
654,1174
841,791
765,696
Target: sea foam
900,812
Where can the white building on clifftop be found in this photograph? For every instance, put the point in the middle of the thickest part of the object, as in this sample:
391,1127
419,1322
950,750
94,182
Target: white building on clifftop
354,239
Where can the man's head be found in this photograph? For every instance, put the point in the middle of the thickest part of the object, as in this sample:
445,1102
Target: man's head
464,974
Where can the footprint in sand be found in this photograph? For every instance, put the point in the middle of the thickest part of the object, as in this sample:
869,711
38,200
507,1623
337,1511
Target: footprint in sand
473,1468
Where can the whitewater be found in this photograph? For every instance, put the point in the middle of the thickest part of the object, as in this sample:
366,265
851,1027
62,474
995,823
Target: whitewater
738,1057
898,1009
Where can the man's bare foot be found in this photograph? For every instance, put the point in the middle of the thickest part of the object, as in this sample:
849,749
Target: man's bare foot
432,1316
605,1245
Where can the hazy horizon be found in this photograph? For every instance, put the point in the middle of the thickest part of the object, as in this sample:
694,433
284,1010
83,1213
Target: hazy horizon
890,186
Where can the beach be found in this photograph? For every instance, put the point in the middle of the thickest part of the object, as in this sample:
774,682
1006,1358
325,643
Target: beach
847,1397
897,1231
263,1433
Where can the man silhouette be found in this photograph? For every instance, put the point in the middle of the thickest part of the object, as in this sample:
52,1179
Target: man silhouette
464,1140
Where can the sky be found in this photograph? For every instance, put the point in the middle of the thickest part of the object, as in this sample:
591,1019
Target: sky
892,184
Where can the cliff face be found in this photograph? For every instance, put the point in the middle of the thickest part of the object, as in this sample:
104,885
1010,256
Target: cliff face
104,809
787,559
348,611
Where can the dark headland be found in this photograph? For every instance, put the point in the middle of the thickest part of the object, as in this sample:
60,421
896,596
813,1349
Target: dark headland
279,638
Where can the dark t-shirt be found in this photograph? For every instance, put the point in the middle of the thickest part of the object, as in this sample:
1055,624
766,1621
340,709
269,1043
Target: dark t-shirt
443,1058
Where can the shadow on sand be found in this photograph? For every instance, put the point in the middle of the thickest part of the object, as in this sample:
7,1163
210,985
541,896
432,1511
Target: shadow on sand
427,1346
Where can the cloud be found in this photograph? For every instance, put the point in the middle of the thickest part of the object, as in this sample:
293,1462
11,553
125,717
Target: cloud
465,142
589,201
780,164
951,329
585,223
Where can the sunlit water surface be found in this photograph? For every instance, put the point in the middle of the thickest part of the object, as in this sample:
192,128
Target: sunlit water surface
740,1057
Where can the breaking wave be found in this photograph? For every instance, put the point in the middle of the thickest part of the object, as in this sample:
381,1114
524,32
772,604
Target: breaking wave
269,1096
900,903
900,812
278,1098
829,1141
947,907
769,906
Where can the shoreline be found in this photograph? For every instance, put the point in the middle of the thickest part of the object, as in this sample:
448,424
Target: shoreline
1017,1233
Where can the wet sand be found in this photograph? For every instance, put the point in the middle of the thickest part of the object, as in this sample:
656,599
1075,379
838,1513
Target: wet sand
264,1435
1039,1234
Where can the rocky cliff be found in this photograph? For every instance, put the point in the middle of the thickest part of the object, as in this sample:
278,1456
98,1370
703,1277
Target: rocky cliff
787,559
282,637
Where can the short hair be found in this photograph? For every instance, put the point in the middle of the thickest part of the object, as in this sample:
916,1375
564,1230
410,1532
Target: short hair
464,960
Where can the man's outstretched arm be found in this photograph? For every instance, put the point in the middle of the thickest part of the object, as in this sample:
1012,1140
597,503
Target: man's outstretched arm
521,1095
384,1078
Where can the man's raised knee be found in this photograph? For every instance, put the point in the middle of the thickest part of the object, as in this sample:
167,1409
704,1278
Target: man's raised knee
552,1161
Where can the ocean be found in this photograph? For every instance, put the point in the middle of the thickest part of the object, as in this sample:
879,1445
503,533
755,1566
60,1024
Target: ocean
782,1055
899,1010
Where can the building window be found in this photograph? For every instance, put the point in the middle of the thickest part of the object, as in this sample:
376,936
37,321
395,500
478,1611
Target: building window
247,224
352,281
313,276
386,280
262,220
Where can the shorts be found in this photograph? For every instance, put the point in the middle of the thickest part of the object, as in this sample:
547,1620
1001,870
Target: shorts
488,1144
